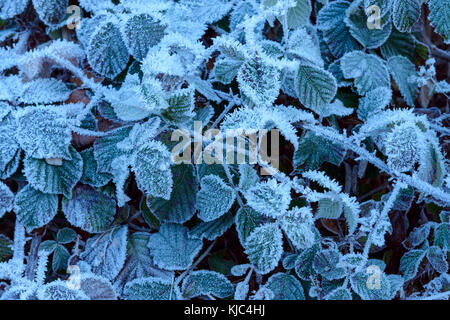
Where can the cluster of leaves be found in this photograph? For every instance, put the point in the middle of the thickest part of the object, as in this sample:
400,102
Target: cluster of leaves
358,208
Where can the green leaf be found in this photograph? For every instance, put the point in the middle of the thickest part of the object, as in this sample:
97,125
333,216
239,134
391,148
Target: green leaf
90,174
107,53
214,199
204,282
356,20
226,69
35,209
336,34
285,287
299,15
89,209
246,221
212,229
405,14
325,263
298,224
402,70
264,247
60,258
438,259
304,263
171,247
181,106
440,17
442,236
248,177
409,263
54,179
398,44
65,235
5,248
313,150
315,87
8,143
142,32
181,205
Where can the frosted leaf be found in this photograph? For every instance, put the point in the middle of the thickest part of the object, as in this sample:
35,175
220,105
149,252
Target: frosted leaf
226,69
405,14
90,175
303,264
285,287
95,5
182,203
89,209
264,247
9,9
269,198
153,96
442,236
106,150
368,71
259,81
106,252
357,19
240,269
54,179
374,102
212,229
140,134
409,263
241,292
9,146
299,14
51,11
141,32
246,221
336,34
214,199
313,150
439,17
438,259
315,87
298,224
397,44
96,287
6,199
149,288
419,235
107,53
87,28
326,263
44,91
340,293
322,179
171,247
151,165
35,209
304,45
59,290
335,108
43,133
139,262
120,171
180,106
127,103
329,208
369,288
402,71
248,177
205,282
402,146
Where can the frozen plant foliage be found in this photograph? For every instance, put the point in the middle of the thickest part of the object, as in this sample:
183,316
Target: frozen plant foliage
337,185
